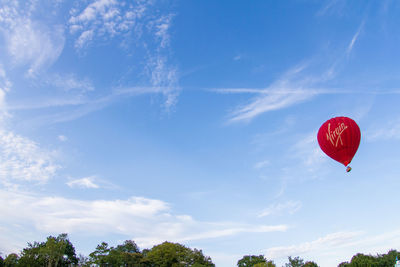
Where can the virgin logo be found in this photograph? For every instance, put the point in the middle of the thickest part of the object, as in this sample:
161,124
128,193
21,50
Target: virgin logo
336,135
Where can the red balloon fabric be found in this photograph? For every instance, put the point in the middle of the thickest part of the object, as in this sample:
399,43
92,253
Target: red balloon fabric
339,138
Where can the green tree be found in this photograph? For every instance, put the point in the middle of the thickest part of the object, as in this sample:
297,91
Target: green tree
83,261
389,259
128,246
32,255
99,256
59,251
295,262
299,262
11,260
251,260
363,260
56,251
265,264
174,255
310,264
127,254
383,260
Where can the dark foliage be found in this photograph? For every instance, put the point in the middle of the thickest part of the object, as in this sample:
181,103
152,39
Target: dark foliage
384,260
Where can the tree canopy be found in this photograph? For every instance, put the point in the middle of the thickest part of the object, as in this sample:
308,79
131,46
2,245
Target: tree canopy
383,260
11,260
59,251
127,254
172,254
56,251
253,260
299,262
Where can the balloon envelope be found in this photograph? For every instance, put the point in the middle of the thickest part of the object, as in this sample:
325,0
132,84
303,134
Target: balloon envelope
339,138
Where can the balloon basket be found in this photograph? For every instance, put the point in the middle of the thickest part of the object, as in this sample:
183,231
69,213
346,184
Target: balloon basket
348,169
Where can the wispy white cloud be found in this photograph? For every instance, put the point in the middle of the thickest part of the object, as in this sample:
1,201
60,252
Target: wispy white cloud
86,182
84,39
344,244
24,160
355,38
139,90
62,138
48,102
162,74
5,83
262,164
147,221
308,159
289,207
99,8
326,7
5,86
274,101
327,242
237,57
267,91
374,243
225,259
161,29
79,105
308,151
332,6
106,18
69,82
165,78
30,42
186,231
386,131
9,242
292,88
36,45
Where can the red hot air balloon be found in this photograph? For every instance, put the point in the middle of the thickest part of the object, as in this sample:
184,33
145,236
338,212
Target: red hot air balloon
339,138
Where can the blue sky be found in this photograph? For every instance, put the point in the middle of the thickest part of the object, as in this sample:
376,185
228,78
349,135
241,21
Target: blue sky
196,122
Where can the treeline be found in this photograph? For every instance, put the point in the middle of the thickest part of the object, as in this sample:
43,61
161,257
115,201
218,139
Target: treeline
383,260
59,252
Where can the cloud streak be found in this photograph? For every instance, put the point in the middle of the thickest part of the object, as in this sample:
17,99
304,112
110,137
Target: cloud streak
278,100
147,221
329,241
86,182
286,91
289,207
355,38
292,88
81,105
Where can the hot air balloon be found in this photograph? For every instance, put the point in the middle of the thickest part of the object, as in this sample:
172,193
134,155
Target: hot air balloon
339,138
